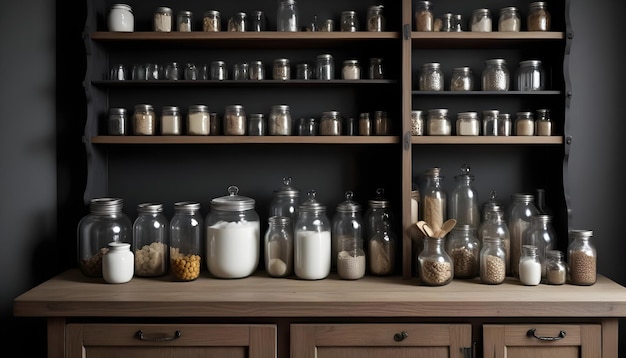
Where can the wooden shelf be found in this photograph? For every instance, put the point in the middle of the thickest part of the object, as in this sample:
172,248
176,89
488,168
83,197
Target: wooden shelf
468,39
552,140
245,140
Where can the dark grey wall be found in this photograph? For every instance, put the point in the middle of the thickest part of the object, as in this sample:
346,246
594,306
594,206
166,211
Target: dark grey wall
42,160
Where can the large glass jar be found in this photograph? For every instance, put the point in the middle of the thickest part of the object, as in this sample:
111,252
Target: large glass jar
325,67
530,76
435,199
495,75
520,211
467,124
279,121
492,261
151,233
186,229
463,247
424,17
331,123
464,200
233,236
509,19
381,249
541,234
435,267
481,20
105,223
349,21
582,258
171,121
120,18
462,79
287,16
312,244
278,245
162,21
212,21
431,77
348,256
438,123
144,120
494,225
375,18
377,208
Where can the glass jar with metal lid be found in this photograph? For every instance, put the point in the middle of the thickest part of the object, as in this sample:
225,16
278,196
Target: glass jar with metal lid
151,232
233,236
467,123
504,124
431,77
424,18
238,23
256,71
490,122
256,124
381,123
171,123
279,121
186,229
235,120
582,258
543,123
198,122
530,266
287,16
375,18
481,20
556,269
281,70
308,126
351,70
524,123
162,21
495,75
349,21
530,76
144,120
117,121
462,79
331,123
325,67
509,20
376,69
184,21
438,122
312,244
539,18
212,21
365,124
417,122
463,247
435,267
347,232
376,208
121,18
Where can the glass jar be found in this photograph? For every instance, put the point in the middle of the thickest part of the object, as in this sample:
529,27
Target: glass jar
325,67
238,23
462,79
509,20
184,21
375,18
582,258
464,200
256,124
212,21
431,77
519,214
376,70
365,124
490,122
543,123
495,76
281,70
198,120
351,70
256,71
235,120
435,267
214,123
331,123
417,122
495,225
438,122
171,123
492,261
279,121
524,124
287,16
258,22
434,199
219,72
278,242
312,245
308,126
117,121
539,18
118,264
240,71
304,71
144,120
104,223
463,247
186,229
285,201
190,72
504,124
445,23
172,71
233,236
347,232
381,248
556,269
162,21
530,266
481,20
377,208
381,123
530,76
120,18
349,21
424,18
151,231
467,123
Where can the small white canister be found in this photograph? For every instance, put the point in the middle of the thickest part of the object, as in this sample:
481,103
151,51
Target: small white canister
121,18
118,263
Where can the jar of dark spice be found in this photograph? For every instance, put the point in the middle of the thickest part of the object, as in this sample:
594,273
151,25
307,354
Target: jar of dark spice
539,18
238,23
365,124
308,126
381,123
424,18
235,120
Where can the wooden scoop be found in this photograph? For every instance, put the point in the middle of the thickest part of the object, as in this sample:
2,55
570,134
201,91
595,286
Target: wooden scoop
425,229
446,227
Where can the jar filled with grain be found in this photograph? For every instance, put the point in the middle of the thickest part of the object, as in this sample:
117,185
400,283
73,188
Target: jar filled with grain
424,18
365,124
144,120
281,70
151,232
435,267
543,123
582,258
198,122
509,19
494,225
331,123
431,77
463,247
382,248
492,261
539,18
162,21
238,23
278,242
481,20
349,21
556,269
462,79
524,123
438,122
351,70
235,120
467,124
212,21
435,199
186,232
279,121
417,122
347,233
495,75
375,18
171,121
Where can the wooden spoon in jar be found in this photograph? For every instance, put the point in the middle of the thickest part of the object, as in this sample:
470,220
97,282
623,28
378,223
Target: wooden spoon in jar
446,227
424,228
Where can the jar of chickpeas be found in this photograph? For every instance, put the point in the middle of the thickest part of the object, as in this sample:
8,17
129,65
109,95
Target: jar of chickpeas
186,229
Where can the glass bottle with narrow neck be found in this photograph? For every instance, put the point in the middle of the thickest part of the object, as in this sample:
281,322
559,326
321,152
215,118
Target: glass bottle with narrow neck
464,200
347,239
495,226
520,211
435,199
541,234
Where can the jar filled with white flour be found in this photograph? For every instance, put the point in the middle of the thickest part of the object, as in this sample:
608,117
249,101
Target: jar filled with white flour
232,236
312,244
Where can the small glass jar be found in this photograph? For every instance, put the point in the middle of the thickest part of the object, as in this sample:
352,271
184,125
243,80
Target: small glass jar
365,124
304,71
256,124
463,247
118,72
349,21
458,25
539,18
490,122
238,23
171,122
278,242
492,261
495,75
582,258
151,231
376,69
287,16
162,21
186,233
279,121
116,124
121,18
351,70
235,120
308,126
258,22
467,124
312,245
530,76
530,266
212,21
504,124
219,72
331,123
509,20
481,20
240,71
424,18
462,79
524,124
256,71
118,263
144,120
325,67
431,77
438,122
281,70
214,124
446,21
556,269
381,248
348,256
543,123
184,21
172,71
381,123
435,267
417,122
375,18
198,122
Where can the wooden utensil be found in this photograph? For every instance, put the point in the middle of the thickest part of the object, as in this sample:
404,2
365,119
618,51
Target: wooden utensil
446,227
425,228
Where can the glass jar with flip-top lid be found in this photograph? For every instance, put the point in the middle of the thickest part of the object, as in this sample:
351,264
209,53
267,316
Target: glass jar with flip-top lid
312,240
348,256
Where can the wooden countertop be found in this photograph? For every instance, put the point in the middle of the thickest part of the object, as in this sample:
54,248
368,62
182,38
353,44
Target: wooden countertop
70,294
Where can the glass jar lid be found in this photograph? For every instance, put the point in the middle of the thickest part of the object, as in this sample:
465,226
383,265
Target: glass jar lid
349,206
287,189
379,202
233,201
311,204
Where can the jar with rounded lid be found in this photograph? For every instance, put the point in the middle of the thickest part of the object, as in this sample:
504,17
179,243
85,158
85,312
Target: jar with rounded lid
381,248
464,200
279,121
445,23
144,120
256,124
481,20
278,242
495,225
287,16
331,123
285,201
467,123
495,75
171,123
582,258
492,261
524,123
105,223
347,232
381,123
490,122
431,77
184,21
417,122
238,23
198,122
375,18
509,20
349,21
530,266
235,120
121,18
438,123
162,21
434,199
462,79
312,244
463,247
424,18
376,69
325,67
530,76
519,214
435,267
116,124
233,236
151,231
186,229
556,269
118,263
377,208
539,18
365,124
351,70
281,70
212,21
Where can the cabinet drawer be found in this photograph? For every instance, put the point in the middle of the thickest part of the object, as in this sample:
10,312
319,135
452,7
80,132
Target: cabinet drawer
167,340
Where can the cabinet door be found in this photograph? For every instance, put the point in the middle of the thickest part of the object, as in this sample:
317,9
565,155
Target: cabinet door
170,340
380,340
542,341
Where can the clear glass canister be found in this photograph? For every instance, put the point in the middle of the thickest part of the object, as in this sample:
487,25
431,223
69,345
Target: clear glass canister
351,70
365,124
281,70
151,232
121,18
582,258
494,225
256,124
219,72
287,16
171,123
256,71
530,266
162,21
278,242
556,269
495,75
331,123
105,223
462,79
198,122
212,21
285,201
435,267
325,67
519,214
381,248
258,22
144,120
347,233
118,264
431,77
238,23
312,245
504,124
233,236
417,122
375,18
279,121
524,123
467,123
530,76
308,126
349,21
381,123
377,208
438,123
235,120
463,247
539,18
117,121
186,233
509,20
490,122
434,199
492,261
543,123
376,69
464,200
184,21
424,18
304,71
481,20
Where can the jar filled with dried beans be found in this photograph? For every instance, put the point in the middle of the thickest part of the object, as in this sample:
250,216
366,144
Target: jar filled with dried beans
582,258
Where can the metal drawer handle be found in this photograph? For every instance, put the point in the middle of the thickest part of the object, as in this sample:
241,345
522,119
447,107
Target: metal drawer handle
139,335
531,333
399,337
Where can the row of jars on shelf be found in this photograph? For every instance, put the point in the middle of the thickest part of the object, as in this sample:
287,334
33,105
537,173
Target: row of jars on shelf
495,76
200,121
509,19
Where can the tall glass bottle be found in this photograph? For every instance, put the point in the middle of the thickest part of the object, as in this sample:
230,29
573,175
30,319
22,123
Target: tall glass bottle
287,16
382,249
377,208
495,226
151,240
279,246
540,234
285,201
435,199
186,228
520,211
347,225
312,245
464,200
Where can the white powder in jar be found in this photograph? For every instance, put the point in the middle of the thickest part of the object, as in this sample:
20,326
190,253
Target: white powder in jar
350,267
312,254
198,123
232,248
